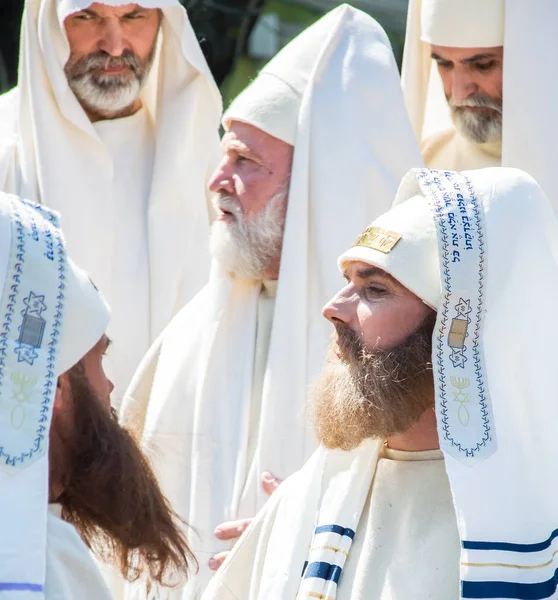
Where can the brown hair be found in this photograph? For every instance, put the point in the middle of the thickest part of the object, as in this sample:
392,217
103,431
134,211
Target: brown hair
112,496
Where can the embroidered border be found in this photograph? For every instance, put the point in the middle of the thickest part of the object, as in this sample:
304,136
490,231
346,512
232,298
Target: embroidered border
27,229
467,431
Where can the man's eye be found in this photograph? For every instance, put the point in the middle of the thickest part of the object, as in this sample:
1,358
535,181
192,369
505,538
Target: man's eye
83,17
485,66
135,16
375,291
242,159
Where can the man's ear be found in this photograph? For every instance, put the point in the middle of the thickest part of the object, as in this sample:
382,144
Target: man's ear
63,397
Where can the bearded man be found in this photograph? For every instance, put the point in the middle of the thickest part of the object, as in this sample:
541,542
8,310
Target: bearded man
428,483
73,480
114,123
477,86
219,400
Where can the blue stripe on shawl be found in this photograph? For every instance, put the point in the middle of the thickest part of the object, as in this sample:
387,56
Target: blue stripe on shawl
506,589
21,587
335,529
323,570
509,547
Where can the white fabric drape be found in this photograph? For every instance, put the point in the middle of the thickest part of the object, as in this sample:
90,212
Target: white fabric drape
190,398
530,95
51,153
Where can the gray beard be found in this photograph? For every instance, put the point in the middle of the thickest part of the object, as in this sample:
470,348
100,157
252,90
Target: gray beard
248,246
108,94
373,394
478,127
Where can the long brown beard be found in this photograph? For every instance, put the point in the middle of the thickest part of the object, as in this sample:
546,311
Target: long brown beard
373,394
112,497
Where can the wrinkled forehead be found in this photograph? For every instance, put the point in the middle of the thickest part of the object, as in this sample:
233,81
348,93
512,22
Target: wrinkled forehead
242,135
68,7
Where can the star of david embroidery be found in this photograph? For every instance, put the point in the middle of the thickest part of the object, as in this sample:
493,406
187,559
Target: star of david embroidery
457,358
463,307
26,354
35,304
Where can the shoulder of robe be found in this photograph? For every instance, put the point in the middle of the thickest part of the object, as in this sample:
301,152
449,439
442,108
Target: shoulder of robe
432,144
8,115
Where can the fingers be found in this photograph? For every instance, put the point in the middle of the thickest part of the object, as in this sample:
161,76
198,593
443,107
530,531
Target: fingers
231,529
270,483
216,561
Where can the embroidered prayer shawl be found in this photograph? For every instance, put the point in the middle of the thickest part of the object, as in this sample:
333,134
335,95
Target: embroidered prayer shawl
51,315
498,433
190,399
530,127
50,153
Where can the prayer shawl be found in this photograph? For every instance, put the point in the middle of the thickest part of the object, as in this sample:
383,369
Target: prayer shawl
190,399
487,245
51,316
530,39
51,153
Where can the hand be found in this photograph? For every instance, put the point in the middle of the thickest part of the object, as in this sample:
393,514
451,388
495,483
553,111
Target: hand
232,530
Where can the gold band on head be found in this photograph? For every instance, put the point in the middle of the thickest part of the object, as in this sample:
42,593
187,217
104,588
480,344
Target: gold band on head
378,239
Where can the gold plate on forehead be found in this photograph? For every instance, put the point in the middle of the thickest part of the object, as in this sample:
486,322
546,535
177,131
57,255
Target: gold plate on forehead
378,239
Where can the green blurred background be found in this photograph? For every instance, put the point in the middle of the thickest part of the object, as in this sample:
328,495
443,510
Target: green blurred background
237,36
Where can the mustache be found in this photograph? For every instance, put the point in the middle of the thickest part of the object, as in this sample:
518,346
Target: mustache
478,100
102,60
227,203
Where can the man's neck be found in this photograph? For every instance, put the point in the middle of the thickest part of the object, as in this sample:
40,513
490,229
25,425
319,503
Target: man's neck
95,115
422,436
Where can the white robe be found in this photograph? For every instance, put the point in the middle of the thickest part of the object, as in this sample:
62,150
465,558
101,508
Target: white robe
194,439
406,544
449,150
71,571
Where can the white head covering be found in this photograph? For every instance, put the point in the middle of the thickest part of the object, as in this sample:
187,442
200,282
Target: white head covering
352,143
529,35
488,247
64,164
52,315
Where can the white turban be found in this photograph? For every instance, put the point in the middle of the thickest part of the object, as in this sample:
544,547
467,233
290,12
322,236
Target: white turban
51,316
463,23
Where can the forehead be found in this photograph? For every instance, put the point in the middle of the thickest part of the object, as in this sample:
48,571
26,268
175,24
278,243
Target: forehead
462,54
105,9
255,140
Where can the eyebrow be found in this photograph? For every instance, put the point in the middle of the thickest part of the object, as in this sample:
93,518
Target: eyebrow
239,147
467,61
368,272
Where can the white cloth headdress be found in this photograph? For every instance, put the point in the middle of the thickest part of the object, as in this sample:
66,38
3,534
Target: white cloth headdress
61,161
529,35
51,316
352,143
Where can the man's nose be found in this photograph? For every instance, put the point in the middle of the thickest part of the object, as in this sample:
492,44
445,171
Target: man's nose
462,87
222,179
337,309
112,41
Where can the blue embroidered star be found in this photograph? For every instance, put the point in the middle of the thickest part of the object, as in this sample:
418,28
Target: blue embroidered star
35,304
457,358
26,354
463,307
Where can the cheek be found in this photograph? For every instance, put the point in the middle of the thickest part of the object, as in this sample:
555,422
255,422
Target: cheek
253,188
389,322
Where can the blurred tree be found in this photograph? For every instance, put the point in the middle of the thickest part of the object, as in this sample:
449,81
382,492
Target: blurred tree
10,22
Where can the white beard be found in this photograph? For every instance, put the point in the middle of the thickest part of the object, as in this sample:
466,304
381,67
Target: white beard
119,96
248,246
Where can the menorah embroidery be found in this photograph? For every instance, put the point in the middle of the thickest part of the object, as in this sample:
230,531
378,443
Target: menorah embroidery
23,388
462,398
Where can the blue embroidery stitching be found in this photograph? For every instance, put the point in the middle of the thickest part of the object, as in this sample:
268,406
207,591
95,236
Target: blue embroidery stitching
426,175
